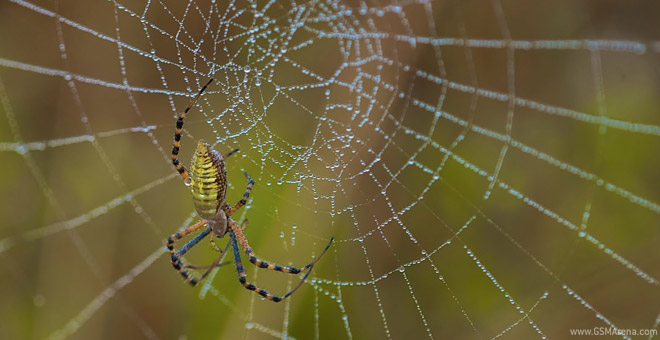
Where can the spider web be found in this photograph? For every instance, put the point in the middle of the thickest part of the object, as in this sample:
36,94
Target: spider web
488,169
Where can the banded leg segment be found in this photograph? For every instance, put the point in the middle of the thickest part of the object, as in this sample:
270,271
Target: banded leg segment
242,276
177,134
263,264
215,246
230,153
243,200
177,263
181,234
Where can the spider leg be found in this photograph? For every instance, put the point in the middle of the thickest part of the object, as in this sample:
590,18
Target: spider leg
177,263
263,264
177,236
217,263
244,199
249,286
214,246
195,267
222,255
177,134
230,153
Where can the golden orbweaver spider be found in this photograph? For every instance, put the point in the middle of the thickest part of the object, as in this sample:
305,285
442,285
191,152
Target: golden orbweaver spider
208,183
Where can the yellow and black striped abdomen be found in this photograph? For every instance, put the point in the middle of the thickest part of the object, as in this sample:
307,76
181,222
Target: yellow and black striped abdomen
209,180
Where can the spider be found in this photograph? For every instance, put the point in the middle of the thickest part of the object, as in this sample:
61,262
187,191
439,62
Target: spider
208,183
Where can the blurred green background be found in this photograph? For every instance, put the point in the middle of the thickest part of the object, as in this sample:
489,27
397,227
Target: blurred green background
335,119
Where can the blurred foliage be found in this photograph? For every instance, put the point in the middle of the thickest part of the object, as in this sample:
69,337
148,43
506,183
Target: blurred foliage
79,217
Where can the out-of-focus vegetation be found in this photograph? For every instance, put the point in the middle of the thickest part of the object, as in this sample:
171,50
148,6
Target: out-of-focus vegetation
79,215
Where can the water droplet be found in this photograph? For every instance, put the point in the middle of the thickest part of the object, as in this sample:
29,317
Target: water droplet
247,68
188,181
21,149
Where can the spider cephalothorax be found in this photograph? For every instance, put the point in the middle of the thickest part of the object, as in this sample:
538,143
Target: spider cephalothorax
208,184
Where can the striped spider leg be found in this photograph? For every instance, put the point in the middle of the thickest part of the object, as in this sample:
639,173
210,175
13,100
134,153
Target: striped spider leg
237,233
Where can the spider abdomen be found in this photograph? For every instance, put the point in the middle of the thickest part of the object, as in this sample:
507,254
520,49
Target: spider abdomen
208,175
